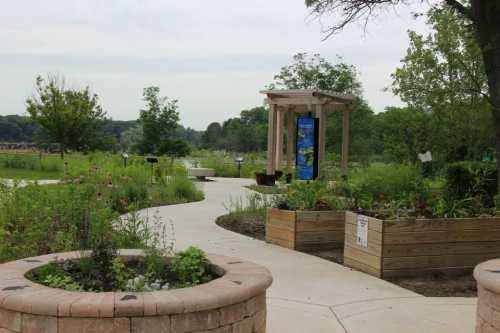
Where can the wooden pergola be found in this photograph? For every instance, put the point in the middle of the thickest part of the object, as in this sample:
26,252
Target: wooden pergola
293,102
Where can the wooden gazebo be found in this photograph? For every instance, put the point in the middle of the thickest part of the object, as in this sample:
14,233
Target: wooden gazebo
293,102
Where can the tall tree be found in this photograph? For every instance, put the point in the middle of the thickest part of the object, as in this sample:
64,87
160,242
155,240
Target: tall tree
316,72
159,120
70,118
443,76
481,15
212,135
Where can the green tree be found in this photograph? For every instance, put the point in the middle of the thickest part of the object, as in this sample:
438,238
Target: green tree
71,118
315,72
212,135
402,133
159,120
443,75
174,148
480,16
318,73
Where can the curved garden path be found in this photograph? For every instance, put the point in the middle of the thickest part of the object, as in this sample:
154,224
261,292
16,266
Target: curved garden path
310,294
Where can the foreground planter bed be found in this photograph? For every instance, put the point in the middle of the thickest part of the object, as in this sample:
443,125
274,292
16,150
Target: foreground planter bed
305,230
235,302
412,247
487,276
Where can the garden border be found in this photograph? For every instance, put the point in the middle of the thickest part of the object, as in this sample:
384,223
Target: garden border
235,302
410,247
305,230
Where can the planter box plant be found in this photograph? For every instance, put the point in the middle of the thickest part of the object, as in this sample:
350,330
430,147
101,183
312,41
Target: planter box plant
305,230
405,247
234,301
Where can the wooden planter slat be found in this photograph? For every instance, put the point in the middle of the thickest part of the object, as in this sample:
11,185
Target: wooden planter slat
411,247
305,230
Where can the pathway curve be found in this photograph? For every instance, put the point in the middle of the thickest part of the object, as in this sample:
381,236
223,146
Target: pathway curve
310,294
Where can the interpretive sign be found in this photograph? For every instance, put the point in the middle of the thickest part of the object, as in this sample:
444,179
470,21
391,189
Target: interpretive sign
362,233
307,148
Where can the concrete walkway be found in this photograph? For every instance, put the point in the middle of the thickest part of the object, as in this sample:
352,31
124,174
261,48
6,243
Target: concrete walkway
310,294
23,183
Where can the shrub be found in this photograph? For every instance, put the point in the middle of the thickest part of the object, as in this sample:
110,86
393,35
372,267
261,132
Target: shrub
381,183
313,195
472,180
190,267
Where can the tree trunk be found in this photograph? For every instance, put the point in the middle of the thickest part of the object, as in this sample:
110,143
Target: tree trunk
486,14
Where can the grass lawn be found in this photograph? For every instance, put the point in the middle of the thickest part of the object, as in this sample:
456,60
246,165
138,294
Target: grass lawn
8,173
267,189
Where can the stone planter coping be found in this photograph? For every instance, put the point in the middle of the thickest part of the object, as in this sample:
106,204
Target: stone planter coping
239,281
201,172
487,275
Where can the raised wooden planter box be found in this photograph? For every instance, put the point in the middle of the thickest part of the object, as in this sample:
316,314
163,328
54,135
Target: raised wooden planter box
305,230
412,247
234,302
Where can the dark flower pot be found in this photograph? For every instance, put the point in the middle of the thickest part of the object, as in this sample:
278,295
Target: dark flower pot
270,180
260,178
278,174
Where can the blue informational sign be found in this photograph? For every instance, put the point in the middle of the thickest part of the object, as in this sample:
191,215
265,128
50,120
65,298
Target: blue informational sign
307,148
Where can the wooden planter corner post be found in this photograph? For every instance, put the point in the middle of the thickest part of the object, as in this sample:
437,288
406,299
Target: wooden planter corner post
305,230
387,248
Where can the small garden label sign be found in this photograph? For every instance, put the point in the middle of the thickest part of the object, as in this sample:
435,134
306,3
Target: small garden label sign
362,231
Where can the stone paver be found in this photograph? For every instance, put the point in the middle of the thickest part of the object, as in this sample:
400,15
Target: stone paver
310,294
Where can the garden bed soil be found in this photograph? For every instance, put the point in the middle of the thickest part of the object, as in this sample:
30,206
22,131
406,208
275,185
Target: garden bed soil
248,224
430,285
439,285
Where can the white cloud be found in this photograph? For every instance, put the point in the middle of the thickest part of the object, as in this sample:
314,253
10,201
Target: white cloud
213,56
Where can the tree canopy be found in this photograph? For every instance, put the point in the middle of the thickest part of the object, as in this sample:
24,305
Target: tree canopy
159,120
68,117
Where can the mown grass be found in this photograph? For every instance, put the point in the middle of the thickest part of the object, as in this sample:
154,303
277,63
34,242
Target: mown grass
224,163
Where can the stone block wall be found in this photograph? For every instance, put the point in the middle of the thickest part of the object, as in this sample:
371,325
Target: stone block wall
233,303
487,276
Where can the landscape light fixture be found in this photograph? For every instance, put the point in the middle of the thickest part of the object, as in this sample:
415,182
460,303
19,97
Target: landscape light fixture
125,158
239,160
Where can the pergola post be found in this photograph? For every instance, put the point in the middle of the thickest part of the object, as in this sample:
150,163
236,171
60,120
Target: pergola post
321,153
290,141
345,142
279,138
271,140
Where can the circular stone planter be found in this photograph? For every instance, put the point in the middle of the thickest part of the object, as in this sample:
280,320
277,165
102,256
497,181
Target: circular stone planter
487,276
235,302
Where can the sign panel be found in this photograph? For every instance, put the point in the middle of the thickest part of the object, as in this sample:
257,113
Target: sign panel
362,231
307,148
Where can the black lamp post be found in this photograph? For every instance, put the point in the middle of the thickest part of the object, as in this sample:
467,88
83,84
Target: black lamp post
125,158
239,160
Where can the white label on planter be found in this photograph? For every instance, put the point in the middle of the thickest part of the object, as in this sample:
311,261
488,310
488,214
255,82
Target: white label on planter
362,234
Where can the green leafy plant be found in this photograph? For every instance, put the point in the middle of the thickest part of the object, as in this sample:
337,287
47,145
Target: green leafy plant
190,267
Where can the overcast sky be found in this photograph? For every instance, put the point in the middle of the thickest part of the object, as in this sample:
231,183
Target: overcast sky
213,56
